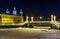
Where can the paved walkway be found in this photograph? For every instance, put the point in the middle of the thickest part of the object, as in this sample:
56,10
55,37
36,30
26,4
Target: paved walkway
29,33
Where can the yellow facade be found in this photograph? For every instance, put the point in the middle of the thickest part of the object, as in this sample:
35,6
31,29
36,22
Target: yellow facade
9,19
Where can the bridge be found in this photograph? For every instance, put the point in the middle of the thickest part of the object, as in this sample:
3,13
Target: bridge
55,23
52,21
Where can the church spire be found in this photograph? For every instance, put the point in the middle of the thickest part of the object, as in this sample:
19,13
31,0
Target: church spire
7,11
21,12
14,10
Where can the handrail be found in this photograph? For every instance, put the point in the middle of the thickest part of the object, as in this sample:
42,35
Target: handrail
56,23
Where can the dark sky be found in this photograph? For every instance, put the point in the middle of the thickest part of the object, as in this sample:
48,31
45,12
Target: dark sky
29,6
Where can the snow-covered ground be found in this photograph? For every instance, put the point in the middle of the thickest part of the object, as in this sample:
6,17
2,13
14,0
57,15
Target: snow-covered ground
29,33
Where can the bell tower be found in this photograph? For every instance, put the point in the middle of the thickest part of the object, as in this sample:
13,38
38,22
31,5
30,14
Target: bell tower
14,11
21,12
21,15
7,11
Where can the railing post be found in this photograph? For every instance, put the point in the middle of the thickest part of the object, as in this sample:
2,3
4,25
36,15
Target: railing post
32,18
54,18
51,17
58,25
27,18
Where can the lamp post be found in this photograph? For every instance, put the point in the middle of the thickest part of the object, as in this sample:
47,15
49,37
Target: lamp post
32,18
51,17
54,18
27,18
41,18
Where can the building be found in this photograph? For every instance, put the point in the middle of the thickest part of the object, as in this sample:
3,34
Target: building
7,18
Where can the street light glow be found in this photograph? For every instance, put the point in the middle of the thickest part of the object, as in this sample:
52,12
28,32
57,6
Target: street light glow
41,17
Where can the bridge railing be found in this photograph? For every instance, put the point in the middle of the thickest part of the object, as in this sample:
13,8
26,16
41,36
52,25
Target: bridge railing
56,23
13,24
39,21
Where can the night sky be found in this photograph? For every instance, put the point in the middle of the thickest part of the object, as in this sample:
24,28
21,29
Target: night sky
30,6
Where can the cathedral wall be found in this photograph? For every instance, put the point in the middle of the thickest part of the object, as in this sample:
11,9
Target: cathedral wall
10,19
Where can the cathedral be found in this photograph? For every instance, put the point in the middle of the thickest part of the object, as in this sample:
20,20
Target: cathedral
7,18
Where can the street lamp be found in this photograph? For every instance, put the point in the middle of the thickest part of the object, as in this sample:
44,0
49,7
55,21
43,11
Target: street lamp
27,18
32,18
41,17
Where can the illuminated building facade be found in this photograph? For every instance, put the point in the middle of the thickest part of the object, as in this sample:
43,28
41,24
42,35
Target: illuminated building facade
10,19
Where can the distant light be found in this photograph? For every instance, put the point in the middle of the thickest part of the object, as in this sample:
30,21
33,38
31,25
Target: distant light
41,17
